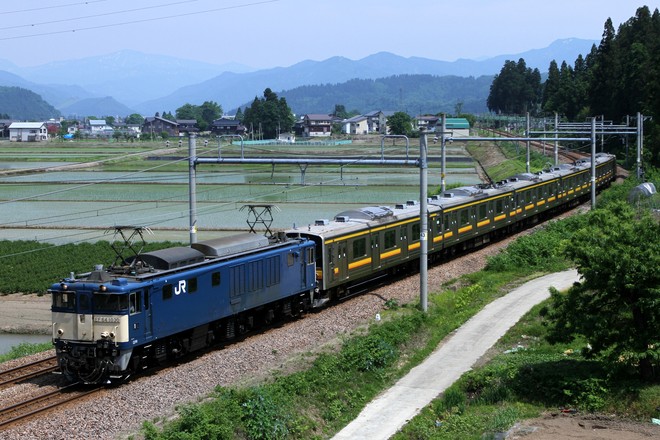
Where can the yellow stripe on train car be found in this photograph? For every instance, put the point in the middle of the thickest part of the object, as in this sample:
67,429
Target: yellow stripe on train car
389,254
359,263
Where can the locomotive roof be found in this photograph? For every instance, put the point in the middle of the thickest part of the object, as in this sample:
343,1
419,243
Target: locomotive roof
220,247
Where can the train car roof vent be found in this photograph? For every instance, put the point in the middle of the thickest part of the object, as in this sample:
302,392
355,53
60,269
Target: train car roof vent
342,218
321,222
448,195
399,206
412,203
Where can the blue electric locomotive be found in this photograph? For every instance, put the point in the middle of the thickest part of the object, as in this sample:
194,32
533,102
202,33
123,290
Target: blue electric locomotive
153,306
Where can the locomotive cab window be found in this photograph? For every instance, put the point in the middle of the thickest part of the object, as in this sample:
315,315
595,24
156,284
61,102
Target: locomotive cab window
64,300
192,285
135,303
104,302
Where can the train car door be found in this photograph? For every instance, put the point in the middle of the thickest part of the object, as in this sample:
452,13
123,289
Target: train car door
375,250
148,324
85,318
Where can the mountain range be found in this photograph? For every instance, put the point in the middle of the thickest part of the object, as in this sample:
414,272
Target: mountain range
128,81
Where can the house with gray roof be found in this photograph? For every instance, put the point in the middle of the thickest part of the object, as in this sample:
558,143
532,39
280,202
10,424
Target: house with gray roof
28,132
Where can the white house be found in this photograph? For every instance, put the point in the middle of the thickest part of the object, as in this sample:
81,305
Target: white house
98,126
356,125
28,132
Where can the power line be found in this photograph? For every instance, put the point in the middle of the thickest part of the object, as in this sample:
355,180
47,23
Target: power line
41,8
104,14
187,14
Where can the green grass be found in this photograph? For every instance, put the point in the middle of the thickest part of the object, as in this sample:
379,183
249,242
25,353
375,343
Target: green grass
25,349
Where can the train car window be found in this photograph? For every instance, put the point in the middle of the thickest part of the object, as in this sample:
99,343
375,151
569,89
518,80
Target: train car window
146,299
192,285
167,291
416,229
64,300
465,217
215,279
135,303
359,248
447,222
290,257
499,206
483,211
389,239
310,256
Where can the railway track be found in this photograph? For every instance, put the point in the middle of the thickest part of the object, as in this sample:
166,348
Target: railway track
44,402
27,371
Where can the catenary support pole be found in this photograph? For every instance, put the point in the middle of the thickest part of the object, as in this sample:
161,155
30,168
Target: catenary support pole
640,122
593,163
556,142
192,192
423,217
443,154
529,144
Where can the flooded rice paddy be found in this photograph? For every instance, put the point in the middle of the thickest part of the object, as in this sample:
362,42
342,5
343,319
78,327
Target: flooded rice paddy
80,205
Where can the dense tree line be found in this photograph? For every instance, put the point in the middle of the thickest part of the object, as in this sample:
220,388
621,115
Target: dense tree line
413,94
268,116
204,114
618,78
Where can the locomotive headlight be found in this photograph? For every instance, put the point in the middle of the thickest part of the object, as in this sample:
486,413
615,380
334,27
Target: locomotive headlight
103,288
112,335
64,286
60,332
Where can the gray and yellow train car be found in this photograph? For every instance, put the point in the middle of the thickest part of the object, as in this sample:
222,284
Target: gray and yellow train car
364,244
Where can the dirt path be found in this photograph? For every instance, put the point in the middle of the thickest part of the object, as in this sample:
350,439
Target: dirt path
25,314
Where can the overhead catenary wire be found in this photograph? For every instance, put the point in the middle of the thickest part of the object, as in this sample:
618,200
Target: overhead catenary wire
137,21
152,219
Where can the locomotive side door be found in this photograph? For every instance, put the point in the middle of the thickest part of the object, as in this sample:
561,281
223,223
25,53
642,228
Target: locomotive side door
148,324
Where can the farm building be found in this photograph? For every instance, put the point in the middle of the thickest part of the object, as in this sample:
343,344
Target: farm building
28,132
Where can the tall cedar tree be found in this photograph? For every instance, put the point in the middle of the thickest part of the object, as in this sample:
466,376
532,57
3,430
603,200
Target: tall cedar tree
268,116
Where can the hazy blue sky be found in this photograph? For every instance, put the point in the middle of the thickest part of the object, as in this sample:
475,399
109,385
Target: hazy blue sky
283,32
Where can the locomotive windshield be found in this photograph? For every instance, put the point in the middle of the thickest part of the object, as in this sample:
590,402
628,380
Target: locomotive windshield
104,302
64,300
